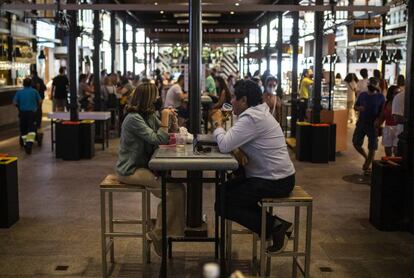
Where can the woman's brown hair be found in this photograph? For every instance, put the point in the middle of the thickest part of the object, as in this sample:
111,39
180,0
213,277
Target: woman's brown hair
143,99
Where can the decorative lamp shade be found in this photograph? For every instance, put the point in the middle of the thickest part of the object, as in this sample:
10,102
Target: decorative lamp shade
398,55
384,56
363,58
42,55
372,57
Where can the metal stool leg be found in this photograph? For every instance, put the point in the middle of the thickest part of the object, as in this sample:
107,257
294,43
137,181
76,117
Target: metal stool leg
148,225
263,244
229,237
268,259
296,242
144,226
103,230
111,226
308,240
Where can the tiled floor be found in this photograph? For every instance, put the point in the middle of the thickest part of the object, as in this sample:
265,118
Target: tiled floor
60,224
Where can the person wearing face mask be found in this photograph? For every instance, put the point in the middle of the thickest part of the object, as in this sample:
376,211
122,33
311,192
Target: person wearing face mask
369,104
271,99
304,92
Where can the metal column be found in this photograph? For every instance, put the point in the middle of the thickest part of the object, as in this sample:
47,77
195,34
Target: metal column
383,30
145,53
124,44
150,57
268,44
407,137
260,48
247,52
97,37
134,48
279,53
113,47
72,62
295,51
194,204
317,84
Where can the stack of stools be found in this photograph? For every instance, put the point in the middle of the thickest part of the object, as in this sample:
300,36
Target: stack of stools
297,199
110,185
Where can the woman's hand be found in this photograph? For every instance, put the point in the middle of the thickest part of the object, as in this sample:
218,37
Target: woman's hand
165,116
217,118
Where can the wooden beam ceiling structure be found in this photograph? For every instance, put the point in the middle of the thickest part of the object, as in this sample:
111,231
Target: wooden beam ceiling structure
235,15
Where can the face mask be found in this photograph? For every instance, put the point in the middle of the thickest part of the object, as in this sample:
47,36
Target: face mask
271,90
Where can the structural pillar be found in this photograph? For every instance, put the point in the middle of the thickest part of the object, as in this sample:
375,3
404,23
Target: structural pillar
97,38
317,84
383,30
134,48
112,41
279,90
407,137
268,44
247,52
145,53
295,51
124,44
194,200
260,48
150,56
72,62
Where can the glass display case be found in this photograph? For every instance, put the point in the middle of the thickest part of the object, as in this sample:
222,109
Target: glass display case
338,97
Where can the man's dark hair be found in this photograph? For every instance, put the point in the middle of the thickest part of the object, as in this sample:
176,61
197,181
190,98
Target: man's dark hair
400,80
27,82
364,73
62,70
270,78
250,90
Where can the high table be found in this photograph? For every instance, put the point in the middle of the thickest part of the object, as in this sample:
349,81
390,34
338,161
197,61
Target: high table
171,158
97,116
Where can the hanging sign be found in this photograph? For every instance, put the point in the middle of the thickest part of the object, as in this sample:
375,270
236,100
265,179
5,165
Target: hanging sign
365,29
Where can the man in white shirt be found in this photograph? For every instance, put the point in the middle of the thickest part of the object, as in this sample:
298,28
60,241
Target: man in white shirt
362,85
269,172
175,94
398,114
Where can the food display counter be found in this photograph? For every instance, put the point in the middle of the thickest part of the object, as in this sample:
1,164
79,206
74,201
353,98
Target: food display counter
8,112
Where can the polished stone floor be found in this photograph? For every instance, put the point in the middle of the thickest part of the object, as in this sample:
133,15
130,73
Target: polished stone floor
59,229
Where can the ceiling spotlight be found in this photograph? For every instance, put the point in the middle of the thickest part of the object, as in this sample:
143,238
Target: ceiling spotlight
156,3
231,12
237,4
161,12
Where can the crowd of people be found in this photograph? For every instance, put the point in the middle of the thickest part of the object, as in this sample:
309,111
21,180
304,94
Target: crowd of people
376,104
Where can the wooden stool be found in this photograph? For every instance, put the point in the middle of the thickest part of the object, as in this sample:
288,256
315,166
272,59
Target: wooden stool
297,199
109,185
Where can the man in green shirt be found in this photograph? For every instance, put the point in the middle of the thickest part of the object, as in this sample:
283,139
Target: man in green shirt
210,82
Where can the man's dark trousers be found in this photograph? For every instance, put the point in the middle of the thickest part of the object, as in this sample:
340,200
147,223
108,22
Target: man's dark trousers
244,194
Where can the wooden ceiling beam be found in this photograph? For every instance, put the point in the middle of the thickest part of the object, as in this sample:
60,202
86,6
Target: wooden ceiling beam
184,7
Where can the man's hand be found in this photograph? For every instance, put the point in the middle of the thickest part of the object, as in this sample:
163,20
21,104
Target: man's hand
240,156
